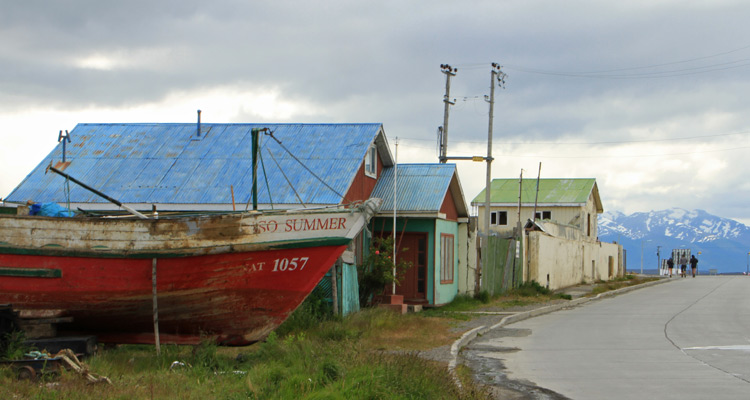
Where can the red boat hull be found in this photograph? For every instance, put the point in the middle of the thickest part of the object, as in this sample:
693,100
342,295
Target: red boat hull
233,298
230,277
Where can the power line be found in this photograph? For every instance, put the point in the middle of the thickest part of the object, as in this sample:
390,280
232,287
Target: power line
598,143
673,62
610,156
607,156
607,74
645,75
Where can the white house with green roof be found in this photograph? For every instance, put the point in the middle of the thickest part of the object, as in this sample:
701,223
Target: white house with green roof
559,225
570,203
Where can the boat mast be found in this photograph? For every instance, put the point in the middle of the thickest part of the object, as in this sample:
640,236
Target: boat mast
255,168
254,132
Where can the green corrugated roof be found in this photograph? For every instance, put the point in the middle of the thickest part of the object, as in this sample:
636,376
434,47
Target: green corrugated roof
551,191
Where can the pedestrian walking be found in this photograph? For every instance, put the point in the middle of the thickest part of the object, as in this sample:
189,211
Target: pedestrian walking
693,264
670,264
683,266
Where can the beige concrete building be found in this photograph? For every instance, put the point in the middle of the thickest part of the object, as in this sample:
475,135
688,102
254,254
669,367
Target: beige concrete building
567,202
559,225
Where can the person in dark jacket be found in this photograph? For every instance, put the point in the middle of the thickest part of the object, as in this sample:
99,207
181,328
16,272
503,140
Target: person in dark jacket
693,264
670,264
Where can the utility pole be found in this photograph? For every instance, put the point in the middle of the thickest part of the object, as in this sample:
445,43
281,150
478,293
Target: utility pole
449,72
520,192
496,74
488,183
658,257
642,243
519,236
536,198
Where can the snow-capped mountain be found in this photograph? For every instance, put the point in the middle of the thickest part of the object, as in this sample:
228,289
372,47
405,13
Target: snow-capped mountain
718,243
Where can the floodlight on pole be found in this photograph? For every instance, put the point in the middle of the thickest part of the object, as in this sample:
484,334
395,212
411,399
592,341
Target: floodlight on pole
642,242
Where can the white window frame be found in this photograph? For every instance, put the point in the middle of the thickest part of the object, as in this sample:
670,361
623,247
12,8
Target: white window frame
371,162
495,218
447,258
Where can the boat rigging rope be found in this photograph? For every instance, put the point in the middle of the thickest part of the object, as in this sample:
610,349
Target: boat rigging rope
287,178
305,166
265,176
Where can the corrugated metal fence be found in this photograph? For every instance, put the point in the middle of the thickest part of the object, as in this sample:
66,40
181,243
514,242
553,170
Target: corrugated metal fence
501,270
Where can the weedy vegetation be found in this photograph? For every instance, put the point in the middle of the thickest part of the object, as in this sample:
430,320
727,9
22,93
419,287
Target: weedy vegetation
527,294
619,282
373,354
12,345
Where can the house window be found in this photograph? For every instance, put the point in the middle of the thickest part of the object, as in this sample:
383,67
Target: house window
543,215
446,258
499,218
371,162
356,246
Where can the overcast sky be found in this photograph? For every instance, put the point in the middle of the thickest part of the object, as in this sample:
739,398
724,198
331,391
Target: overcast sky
648,97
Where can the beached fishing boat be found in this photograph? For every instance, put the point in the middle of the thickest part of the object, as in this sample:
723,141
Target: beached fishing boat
232,277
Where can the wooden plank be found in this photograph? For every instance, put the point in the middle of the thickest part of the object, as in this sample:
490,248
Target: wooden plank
349,289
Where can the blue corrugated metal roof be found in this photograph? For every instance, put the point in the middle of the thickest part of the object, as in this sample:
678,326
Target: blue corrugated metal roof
169,164
420,187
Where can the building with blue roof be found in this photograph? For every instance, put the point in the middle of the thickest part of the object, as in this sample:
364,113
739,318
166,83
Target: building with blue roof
432,231
207,167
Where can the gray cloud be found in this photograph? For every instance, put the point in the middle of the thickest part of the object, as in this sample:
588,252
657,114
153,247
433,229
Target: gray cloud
579,71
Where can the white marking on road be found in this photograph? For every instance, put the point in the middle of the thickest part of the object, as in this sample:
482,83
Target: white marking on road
741,347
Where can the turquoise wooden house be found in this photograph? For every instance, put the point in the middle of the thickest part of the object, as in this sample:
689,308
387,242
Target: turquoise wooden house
431,229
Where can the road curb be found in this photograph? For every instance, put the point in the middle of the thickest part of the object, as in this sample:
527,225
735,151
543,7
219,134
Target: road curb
470,335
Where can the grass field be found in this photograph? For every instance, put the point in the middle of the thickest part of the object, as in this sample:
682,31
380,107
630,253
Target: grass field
372,354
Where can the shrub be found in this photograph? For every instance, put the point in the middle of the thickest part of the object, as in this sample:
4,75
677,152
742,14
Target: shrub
314,310
563,296
12,346
204,357
531,289
376,272
483,296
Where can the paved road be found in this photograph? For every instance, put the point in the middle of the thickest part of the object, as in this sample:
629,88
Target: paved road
684,339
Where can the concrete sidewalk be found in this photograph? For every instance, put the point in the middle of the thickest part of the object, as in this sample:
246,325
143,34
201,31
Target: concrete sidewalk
578,291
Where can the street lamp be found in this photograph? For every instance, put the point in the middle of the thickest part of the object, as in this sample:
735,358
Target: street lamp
747,272
642,242
658,259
